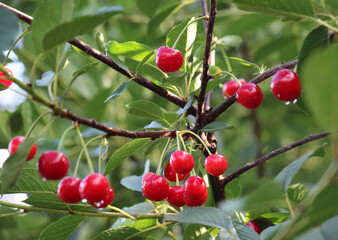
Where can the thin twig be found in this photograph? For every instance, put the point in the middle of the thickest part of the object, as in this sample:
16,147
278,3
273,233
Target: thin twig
272,154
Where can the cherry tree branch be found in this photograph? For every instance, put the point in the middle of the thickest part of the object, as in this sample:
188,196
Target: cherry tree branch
272,154
211,116
205,73
109,62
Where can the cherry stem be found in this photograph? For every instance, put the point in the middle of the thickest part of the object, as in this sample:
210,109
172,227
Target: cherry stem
63,137
36,122
229,73
14,44
80,155
192,20
35,64
46,127
167,206
178,141
183,143
225,56
103,143
198,137
164,152
89,161
121,211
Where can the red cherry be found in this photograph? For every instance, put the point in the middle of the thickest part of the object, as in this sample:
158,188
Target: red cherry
14,144
68,190
155,188
146,176
53,165
5,83
249,95
168,59
194,187
175,196
181,162
285,85
231,87
196,202
105,202
216,164
171,175
94,188
254,227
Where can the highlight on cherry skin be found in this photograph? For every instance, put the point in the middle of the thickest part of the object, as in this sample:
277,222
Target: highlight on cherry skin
216,164
15,143
53,165
249,95
182,162
155,187
168,59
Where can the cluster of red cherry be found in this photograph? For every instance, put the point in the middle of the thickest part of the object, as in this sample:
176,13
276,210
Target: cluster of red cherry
54,165
285,84
194,191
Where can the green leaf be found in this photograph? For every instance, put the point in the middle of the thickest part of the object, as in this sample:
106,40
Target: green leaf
119,90
133,50
14,164
217,126
244,232
233,189
62,228
297,192
9,29
123,152
148,7
135,182
48,200
315,40
187,38
100,44
120,233
230,40
276,217
292,9
145,109
286,175
242,61
329,228
203,215
320,96
47,16
30,181
211,85
144,60
69,30
160,17
195,232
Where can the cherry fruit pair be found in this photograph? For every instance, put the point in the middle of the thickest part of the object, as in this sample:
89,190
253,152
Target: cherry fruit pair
95,189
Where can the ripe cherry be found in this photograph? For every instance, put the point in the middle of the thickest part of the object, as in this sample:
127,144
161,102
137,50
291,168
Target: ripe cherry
254,226
94,188
68,190
5,83
146,176
171,175
53,165
155,188
196,202
175,196
194,187
168,59
285,85
231,87
14,144
216,164
181,162
105,202
249,95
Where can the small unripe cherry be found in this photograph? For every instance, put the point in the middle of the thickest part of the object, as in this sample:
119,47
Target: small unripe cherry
155,188
285,85
249,95
216,164
168,59
14,144
181,162
231,87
